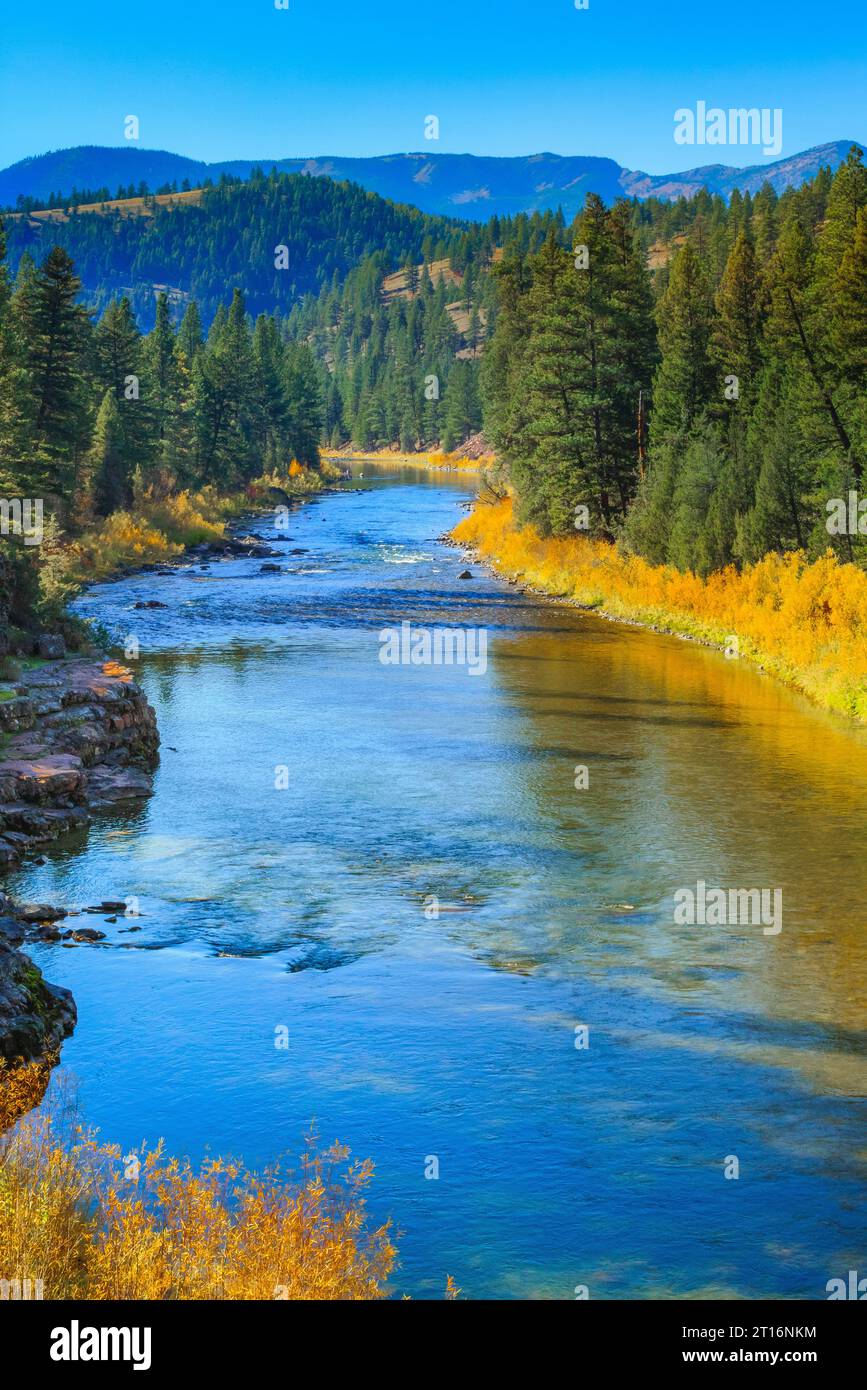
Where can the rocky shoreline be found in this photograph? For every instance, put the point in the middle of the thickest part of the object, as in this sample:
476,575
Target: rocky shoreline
77,736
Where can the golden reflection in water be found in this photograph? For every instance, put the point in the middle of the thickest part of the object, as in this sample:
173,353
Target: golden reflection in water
702,768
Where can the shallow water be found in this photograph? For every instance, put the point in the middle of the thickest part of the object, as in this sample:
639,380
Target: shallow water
411,1036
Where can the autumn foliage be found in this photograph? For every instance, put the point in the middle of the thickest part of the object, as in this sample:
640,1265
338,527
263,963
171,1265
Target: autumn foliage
805,622
457,461
92,1224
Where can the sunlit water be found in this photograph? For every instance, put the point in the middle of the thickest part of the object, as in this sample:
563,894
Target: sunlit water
412,1037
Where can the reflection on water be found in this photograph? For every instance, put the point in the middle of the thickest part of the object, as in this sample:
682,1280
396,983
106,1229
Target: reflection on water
455,1036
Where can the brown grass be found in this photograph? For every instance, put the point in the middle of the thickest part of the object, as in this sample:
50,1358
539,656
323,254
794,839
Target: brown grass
127,207
396,286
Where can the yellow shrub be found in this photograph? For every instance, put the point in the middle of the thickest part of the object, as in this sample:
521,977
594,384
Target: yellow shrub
805,622
297,479
158,528
22,1087
121,539
72,1218
458,462
184,519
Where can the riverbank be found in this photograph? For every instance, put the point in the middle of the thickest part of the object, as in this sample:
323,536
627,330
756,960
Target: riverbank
156,530
435,462
78,736
805,623
35,1016
81,1229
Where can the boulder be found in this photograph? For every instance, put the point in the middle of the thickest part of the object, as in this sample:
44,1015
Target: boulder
40,912
41,778
10,855
10,669
50,646
109,785
11,932
34,1016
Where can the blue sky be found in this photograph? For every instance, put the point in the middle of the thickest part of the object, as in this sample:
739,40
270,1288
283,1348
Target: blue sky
220,79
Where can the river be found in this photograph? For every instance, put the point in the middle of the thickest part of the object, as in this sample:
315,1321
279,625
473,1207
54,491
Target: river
302,914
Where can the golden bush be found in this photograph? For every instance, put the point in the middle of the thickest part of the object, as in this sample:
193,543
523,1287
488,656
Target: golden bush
804,621
90,1224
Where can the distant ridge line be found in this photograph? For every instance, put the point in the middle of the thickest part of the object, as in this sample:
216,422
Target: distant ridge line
468,186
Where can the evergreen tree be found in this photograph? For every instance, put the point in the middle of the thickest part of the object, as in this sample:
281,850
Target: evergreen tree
14,392
55,331
190,335
107,469
847,335
462,408
685,382
737,330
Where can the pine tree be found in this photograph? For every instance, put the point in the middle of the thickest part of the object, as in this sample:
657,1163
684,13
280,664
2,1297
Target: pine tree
685,382
268,358
190,335
780,518
501,368
107,466
550,457
846,197
167,389
847,332
304,408
462,408
737,331
55,331
629,344
119,365
698,476
14,392
161,372
227,410
796,332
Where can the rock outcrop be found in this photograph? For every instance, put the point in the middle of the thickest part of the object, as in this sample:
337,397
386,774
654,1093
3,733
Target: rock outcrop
35,1016
76,736
79,736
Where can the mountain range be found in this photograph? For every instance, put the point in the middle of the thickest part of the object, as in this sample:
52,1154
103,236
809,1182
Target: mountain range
457,185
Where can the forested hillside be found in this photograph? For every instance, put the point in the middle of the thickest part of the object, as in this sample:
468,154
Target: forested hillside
394,304
401,352
230,237
708,417
97,416
688,378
